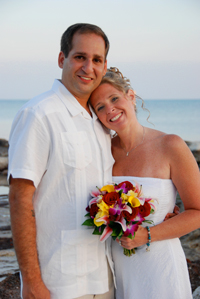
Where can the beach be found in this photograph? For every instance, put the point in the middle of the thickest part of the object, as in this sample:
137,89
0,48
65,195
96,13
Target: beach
9,273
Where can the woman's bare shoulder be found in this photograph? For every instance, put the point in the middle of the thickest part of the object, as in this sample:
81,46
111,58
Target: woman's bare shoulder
174,142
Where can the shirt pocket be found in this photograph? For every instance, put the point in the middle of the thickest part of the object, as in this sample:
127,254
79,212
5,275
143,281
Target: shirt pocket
76,149
79,252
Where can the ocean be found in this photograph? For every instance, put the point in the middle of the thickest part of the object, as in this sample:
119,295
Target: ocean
181,117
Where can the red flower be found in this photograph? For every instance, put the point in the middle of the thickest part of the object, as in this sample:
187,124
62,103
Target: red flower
145,209
111,198
93,210
129,186
129,216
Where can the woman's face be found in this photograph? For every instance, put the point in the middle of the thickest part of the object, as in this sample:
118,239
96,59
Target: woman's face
113,108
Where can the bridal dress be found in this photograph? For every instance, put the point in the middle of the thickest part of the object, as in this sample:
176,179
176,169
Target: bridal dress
162,272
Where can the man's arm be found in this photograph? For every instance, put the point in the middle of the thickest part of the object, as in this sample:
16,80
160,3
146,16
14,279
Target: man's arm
24,237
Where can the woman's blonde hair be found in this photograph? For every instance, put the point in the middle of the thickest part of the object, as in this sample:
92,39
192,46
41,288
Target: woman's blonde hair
115,78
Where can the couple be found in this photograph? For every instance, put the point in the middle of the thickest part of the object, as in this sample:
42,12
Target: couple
59,152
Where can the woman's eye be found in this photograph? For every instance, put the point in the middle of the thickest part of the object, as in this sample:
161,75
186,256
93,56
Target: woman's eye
100,108
114,99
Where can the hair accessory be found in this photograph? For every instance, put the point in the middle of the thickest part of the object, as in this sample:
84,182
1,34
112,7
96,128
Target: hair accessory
149,239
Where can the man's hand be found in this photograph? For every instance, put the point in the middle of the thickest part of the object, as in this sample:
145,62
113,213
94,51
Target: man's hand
35,290
170,215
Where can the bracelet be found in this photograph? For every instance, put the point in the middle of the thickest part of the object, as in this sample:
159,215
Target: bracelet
149,239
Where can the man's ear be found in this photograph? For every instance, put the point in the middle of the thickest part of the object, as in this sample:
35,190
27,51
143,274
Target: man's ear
61,58
105,68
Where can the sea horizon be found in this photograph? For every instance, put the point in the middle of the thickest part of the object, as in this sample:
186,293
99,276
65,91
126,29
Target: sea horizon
172,116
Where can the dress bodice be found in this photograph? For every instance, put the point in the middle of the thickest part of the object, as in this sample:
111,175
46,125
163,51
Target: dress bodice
161,189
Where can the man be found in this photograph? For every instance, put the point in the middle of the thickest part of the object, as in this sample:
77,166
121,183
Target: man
58,154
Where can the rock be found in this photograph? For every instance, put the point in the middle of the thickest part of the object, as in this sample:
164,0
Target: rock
3,148
3,180
193,146
197,156
191,245
3,163
4,143
9,264
10,287
196,294
4,172
195,149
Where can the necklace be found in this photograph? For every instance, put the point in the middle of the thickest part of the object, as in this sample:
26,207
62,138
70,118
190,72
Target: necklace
127,153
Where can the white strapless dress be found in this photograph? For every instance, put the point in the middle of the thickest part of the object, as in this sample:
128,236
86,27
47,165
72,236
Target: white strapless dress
161,273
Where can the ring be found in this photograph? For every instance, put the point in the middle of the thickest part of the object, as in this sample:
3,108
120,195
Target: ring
120,243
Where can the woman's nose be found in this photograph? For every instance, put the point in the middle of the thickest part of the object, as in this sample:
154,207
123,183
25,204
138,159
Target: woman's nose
110,109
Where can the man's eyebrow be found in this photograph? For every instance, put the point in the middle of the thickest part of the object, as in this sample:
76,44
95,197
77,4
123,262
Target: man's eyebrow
99,56
85,54
79,53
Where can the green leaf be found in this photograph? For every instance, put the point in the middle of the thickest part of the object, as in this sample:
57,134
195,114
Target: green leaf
149,221
97,231
131,237
88,222
120,192
87,215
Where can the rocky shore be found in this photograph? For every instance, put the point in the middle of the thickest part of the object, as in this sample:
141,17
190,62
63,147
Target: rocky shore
9,276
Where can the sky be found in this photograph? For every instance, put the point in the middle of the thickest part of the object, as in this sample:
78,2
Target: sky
156,44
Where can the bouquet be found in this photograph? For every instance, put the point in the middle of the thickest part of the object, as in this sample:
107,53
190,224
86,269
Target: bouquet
118,210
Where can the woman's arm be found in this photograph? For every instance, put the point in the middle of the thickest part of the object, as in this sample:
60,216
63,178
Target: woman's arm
185,175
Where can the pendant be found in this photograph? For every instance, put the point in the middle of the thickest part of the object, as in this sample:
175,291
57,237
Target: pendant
127,154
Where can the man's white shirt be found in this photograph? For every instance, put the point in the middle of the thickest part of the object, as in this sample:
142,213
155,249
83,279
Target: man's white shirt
55,143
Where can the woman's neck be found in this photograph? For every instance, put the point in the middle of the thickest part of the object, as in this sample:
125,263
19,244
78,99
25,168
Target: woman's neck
132,137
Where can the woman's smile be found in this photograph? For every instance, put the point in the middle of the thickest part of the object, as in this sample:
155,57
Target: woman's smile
116,117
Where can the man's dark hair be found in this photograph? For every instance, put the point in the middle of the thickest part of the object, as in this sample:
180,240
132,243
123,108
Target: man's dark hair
81,28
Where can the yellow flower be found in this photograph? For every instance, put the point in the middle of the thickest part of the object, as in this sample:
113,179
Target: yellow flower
103,210
132,193
134,201
124,197
108,188
98,223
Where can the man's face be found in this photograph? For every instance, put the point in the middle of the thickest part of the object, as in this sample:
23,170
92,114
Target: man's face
85,65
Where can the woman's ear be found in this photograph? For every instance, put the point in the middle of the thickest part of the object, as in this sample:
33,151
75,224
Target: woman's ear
131,95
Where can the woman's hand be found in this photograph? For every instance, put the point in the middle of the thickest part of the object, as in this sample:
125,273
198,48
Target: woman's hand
141,238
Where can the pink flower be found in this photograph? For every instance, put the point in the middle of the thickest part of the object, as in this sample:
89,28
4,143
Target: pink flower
119,207
130,229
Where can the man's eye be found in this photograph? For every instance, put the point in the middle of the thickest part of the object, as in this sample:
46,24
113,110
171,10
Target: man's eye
97,60
79,57
114,99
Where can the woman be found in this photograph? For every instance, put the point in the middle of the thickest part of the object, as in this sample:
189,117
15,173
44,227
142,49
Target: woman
162,163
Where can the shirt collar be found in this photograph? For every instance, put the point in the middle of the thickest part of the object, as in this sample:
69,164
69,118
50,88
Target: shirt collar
71,103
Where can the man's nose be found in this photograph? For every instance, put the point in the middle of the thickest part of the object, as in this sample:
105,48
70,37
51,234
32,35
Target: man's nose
87,66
